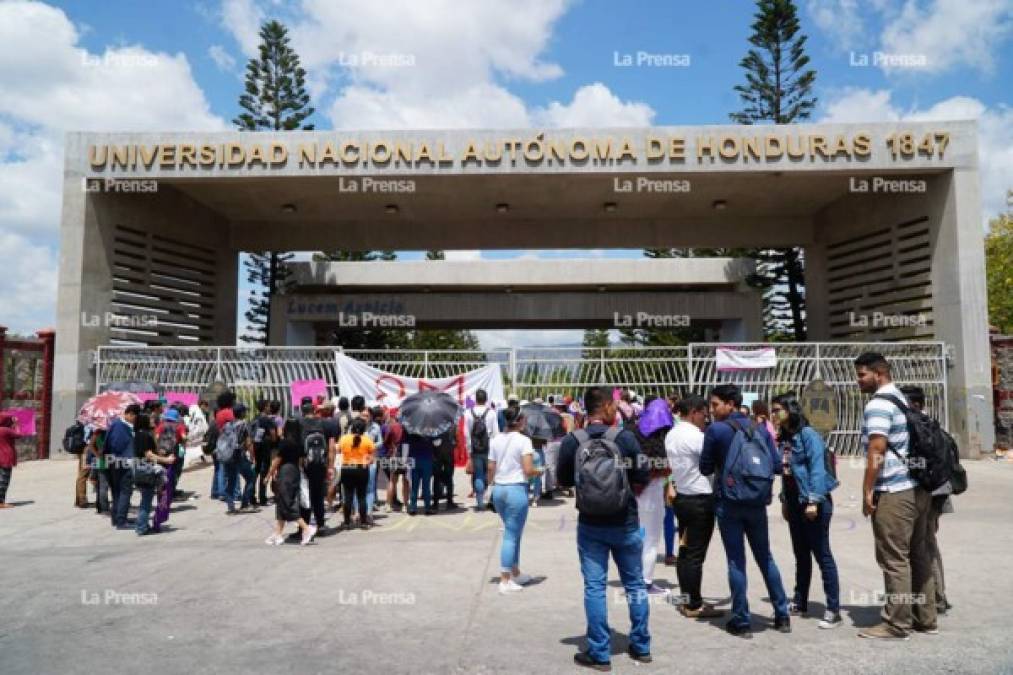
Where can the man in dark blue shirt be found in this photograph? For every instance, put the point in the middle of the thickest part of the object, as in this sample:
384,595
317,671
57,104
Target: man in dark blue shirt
600,536
736,519
119,454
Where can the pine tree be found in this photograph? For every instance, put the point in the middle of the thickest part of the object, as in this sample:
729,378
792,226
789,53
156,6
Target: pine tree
778,90
275,99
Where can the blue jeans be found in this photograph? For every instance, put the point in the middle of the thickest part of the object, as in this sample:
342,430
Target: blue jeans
671,529
536,482
736,521
594,544
512,506
144,508
480,467
811,539
422,476
121,481
241,467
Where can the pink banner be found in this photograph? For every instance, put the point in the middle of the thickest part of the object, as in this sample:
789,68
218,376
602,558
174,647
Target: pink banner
25,419
311,388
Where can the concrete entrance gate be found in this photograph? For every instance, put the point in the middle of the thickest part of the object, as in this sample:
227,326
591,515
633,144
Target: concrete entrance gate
888,215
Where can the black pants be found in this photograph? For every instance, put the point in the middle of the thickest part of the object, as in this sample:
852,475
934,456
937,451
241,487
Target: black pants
263,465
354,482
443,479
695,514
316,476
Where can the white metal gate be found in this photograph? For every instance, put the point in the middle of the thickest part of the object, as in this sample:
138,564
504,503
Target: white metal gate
266,373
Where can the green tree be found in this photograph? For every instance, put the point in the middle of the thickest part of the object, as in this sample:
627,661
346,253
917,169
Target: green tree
999,272
274,99
778,90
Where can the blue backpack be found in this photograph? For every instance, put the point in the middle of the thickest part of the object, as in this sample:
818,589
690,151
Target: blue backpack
748,473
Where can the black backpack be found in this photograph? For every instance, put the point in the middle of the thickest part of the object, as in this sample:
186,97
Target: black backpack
314,442
73,439
931,450
600,479
479,434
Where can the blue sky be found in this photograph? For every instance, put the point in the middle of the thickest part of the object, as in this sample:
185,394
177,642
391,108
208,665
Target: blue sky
539,63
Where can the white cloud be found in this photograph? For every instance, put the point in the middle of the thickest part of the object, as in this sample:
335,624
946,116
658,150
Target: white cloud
500,339
595,106
29,283
950,33
463,254
946,33
995,133
222,58
50,86
243,18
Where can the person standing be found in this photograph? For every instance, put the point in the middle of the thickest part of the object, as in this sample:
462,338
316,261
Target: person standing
510,465
265,439
694,505
807,506
8,454
319,450
356,450
481,425
119,456
745,460
284,475
394,463
898,506
147,449
98,468
941,503
607,524
420,464
650,430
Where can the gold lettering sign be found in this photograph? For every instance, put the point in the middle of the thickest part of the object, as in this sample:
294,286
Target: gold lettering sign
538,150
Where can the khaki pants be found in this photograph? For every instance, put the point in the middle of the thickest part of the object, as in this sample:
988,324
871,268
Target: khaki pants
900,527
81,488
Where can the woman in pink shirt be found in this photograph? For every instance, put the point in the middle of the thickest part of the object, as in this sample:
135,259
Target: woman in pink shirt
8,455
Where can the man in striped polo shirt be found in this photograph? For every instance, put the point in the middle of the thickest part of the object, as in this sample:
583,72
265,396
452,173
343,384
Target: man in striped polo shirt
899,508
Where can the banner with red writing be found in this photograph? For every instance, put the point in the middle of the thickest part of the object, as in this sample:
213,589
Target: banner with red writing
373,384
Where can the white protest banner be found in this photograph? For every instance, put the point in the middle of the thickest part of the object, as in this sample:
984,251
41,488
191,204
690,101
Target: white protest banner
745,359
357,378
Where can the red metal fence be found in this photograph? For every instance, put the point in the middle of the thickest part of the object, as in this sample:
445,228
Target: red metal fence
26,383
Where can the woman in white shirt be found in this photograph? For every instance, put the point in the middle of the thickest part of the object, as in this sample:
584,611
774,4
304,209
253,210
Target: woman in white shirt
511,464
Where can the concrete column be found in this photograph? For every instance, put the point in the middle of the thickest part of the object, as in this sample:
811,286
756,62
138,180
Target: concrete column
961,311
816,297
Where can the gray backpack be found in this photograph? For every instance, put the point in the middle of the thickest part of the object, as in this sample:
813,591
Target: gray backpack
227,443
602,486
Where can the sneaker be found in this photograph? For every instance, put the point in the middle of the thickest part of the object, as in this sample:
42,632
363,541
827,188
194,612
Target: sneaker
883,631
584,659
534,504
830,620
641,658
671,560
511,586
794,609
308,535
926,630
413,513
657,591
782,624
430,512
701,612
522,579
274,540
738,630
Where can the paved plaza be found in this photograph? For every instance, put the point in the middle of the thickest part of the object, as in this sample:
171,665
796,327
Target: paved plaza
418,595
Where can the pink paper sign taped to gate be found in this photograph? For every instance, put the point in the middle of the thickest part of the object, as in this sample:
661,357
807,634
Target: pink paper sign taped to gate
311,388
25,419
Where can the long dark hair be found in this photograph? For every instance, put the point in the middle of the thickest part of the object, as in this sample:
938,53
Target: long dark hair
292,430
796,418
358,428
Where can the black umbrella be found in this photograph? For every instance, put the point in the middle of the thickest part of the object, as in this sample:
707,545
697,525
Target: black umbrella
429,413
542,422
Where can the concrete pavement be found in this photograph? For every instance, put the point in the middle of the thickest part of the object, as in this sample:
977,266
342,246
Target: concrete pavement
418,595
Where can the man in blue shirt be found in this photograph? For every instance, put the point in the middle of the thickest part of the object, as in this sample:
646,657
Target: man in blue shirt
600,536
119,454
736,519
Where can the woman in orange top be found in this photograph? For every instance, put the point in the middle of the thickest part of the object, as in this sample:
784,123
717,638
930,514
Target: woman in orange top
356,450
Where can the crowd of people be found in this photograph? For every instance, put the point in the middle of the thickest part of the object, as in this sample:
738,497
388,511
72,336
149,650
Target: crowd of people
644,473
